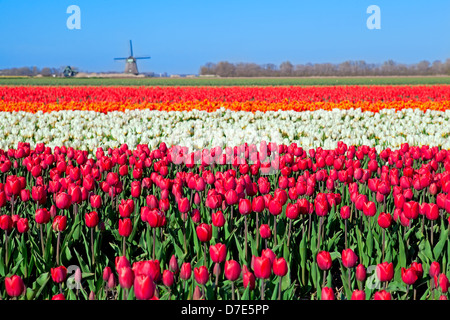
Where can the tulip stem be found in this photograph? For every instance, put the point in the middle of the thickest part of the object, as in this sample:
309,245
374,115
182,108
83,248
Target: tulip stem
279,288
204,253
245,243
123,247
6,247
257,232
275,230
349,280
57,247
383,244
12,205
232,290
92,246
289,233
309,227
319,234
184,235
154,243
345,232
431,232
262,289
324,278
42,240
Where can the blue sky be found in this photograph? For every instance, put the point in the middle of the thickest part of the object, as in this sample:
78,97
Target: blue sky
182,35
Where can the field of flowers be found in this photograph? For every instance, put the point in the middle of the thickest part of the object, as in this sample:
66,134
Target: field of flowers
223,193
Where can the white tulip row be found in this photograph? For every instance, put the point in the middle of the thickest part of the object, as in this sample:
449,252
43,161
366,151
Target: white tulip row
87,130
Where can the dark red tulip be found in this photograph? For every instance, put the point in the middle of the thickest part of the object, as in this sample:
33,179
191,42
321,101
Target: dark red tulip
258,204
345,212
106,273
245,206
112,179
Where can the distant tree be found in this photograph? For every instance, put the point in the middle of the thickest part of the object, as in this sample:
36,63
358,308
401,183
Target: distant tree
286,68
46,72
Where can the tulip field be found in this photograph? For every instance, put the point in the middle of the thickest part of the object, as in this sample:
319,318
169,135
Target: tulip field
225,193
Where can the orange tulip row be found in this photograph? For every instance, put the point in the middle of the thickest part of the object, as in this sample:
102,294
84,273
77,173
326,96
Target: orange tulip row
211,106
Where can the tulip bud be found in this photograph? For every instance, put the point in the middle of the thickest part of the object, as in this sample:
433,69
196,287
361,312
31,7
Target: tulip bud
324,260
358,295
14,286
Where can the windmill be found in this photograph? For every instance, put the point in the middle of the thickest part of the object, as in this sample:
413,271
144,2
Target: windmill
130,64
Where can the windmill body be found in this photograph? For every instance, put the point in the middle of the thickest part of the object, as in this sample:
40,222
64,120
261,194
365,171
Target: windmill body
130,62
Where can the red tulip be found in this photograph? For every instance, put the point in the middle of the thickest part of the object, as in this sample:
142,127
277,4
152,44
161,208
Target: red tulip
262,267
249,280
435,269
385,271
112,179
324,260
358,295
92,219
361,272
185,271
144,287
59,223
218,252
442,281
125,227
201,275
409,276
218,220
59,274
264,231
42,216
280,267
106,273
384,220
63,200
168,278
22,225
245,206
204,232
59,296
345,212
14,286
382,295
232,270
258,204
126,208
96,201
349,258
184,205
327,294
126,277
6,223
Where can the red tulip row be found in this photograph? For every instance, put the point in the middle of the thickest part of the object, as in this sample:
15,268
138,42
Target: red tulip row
134,95
304,224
